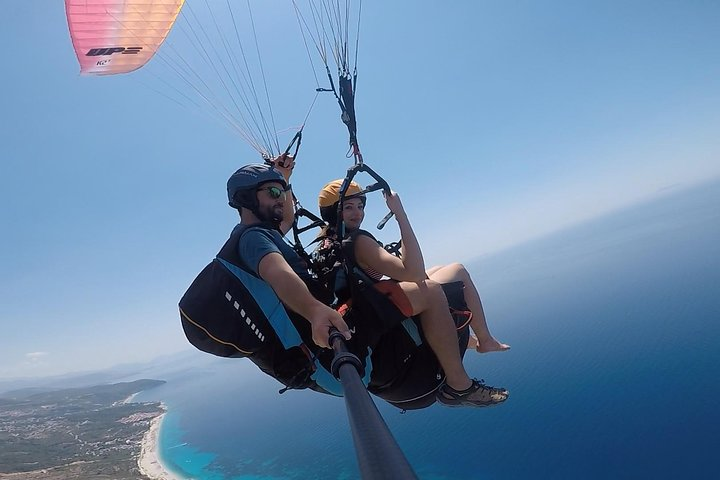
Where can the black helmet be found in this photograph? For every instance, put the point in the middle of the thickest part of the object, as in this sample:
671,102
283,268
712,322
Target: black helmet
243,184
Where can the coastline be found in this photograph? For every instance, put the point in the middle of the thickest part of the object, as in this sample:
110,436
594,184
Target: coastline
149,460
130,398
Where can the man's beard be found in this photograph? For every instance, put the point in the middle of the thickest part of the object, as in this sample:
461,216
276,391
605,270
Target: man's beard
270,216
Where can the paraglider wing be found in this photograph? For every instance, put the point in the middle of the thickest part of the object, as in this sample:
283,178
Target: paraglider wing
118,36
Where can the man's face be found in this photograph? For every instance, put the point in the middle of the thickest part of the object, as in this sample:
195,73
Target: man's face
353,213
271,202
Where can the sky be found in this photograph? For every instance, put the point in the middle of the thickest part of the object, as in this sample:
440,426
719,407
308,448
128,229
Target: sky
497,122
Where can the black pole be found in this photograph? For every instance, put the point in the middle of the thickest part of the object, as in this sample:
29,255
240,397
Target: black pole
378,454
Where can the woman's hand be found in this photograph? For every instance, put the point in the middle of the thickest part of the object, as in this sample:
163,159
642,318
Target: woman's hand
394,204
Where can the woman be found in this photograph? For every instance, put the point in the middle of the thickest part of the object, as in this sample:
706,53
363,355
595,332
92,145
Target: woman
422,291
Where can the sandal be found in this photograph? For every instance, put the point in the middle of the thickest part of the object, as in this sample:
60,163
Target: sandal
477,395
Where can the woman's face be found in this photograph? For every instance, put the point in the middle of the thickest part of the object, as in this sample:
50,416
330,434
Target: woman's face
353,213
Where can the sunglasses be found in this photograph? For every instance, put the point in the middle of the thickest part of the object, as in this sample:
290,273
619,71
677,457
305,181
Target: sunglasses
274,192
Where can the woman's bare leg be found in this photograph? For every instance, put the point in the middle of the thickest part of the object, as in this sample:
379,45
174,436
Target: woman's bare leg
429,302
483,341
434,269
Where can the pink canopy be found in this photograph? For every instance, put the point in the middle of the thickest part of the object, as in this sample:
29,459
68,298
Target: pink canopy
118,36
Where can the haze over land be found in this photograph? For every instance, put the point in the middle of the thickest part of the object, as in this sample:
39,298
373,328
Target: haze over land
89,432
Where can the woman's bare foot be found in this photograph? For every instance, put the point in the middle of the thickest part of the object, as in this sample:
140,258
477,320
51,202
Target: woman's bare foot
489,345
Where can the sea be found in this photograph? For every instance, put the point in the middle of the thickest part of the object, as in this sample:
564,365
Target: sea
613,373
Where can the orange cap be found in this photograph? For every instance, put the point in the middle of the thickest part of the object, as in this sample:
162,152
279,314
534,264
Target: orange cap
330,193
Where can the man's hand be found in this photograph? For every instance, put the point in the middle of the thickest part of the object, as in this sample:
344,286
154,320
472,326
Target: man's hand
322,318
284,164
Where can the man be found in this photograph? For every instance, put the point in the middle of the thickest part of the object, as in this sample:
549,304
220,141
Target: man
262,195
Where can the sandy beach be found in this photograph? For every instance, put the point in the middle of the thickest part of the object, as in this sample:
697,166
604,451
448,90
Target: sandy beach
130,398
149,460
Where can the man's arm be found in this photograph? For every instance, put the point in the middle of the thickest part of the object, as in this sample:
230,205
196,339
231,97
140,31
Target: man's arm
293,292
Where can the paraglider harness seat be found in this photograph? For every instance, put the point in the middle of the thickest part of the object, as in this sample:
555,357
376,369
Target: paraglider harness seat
230,312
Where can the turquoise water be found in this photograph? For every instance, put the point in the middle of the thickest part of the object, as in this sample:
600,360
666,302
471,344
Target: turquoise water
614,327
